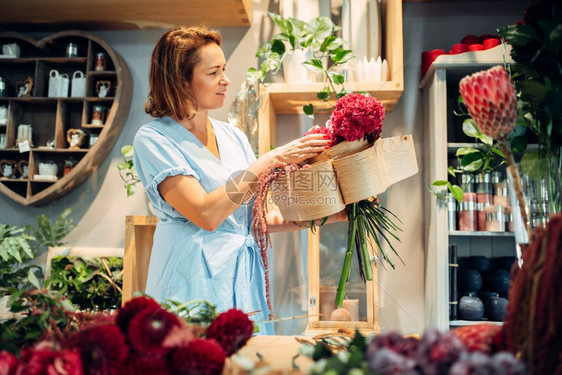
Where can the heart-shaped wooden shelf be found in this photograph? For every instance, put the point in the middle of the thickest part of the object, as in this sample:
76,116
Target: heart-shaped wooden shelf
57,125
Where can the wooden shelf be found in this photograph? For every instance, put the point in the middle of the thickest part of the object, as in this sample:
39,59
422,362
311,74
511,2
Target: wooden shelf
459,233
289,98
123,14
52,118
462,323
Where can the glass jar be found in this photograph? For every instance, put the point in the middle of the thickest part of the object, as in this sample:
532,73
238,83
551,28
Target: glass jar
452,213
495,219
98,115
100,61
500,194
72,50
468,187
483,198
467,216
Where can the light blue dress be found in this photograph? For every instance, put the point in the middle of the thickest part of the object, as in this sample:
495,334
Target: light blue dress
224,266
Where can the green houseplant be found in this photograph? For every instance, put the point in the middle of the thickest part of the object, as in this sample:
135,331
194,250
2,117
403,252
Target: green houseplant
319,39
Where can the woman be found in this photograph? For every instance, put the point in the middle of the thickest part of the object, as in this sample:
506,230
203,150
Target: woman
203,245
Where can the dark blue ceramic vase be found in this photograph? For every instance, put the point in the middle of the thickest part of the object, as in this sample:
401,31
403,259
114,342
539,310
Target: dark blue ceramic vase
471,307
468,280
478,263
498,281
495,307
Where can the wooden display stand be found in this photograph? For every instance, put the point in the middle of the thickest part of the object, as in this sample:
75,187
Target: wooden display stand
139,233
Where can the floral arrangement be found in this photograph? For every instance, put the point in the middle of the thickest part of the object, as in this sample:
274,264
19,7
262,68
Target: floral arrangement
355,117
465,350
142,338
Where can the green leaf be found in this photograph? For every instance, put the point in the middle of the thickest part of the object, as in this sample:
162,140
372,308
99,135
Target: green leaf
33,279
465,151
473,161
314,65
324,94
338,79
457,192
341,56
519,144
440,183
127,151
308,110
278,47
469,128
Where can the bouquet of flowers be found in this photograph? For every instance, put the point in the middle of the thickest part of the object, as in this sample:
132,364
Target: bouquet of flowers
142,338
356,120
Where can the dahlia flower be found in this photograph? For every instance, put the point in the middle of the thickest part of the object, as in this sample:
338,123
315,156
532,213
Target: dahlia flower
103,349
231,329
8,363
200,357
148,329
491,100
133,307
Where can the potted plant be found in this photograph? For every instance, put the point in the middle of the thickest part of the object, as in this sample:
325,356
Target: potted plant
323,49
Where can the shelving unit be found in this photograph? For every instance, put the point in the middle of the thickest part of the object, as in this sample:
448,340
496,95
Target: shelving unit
51,118
442,137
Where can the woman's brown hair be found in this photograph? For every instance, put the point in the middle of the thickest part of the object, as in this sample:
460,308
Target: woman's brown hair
171,71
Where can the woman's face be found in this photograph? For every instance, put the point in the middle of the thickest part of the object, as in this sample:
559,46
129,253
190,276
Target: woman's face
209,81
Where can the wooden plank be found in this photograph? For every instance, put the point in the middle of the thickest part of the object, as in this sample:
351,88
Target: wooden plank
139,233
124,14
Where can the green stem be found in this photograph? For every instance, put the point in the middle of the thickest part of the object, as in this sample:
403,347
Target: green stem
352,228
363,239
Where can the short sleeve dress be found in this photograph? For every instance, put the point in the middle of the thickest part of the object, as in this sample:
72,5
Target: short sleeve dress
223,266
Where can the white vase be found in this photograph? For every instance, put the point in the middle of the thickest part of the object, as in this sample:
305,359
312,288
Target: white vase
293,69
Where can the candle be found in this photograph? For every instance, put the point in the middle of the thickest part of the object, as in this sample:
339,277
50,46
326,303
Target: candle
352,305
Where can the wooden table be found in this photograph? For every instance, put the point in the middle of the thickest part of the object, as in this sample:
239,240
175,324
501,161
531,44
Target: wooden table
277,356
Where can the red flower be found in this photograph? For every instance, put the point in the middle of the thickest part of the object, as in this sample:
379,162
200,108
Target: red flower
357,117
231,329
149,328
140,364
132,308
8,363
103,349
491,100
199,357
49,362
480,337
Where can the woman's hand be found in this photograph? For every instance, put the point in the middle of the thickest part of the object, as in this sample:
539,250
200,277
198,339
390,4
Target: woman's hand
300,149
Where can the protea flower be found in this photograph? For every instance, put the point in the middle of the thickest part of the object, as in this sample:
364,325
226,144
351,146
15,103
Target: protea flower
491,100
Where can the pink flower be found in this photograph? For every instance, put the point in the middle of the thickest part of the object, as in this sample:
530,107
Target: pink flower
357,117
8,363
232,329
491,100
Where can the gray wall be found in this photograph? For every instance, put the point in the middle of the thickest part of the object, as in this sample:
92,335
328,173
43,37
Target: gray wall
100,204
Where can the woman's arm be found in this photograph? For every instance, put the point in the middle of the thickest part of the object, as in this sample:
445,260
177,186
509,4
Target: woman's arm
208,210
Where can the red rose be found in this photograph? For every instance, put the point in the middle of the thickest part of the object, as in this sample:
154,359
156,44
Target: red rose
231,329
